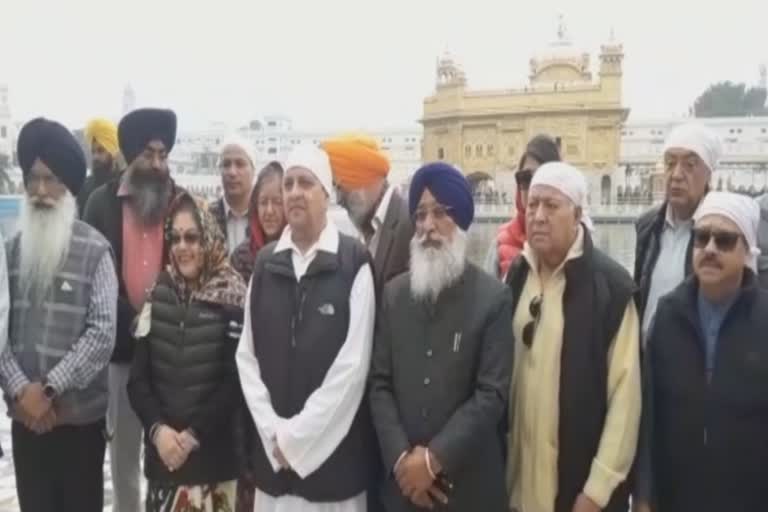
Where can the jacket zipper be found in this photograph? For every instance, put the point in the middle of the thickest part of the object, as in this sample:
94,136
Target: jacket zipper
301,299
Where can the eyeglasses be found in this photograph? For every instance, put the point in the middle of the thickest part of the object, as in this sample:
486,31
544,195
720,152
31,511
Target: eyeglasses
534,308
438,212
190,238
725,241
524,178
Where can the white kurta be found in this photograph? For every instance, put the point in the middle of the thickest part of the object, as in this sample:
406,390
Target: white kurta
309,438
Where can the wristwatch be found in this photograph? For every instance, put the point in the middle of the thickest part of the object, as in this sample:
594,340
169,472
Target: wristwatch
49,391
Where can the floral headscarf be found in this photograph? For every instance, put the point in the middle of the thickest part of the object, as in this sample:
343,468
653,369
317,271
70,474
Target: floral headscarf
218,282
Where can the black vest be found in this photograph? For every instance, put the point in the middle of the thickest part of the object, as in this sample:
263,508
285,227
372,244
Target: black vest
298,330
188,361
596,295
710,438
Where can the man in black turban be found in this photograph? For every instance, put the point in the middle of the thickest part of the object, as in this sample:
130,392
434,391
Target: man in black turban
130,211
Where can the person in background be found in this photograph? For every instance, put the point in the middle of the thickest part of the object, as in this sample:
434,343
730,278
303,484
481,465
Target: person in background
664,233
705,411
4,304
131,212
232,211
360,171
442,362
305,353
106,161
575,397
183,382
63,294
266,218
511,236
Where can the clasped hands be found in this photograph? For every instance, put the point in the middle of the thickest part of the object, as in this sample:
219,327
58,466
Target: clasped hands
416,481
174,447
34,409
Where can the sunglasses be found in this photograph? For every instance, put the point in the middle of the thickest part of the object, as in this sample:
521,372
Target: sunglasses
524,178
438,212
725,241
534,308
190,238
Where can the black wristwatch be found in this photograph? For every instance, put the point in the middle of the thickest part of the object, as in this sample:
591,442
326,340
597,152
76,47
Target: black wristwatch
49,391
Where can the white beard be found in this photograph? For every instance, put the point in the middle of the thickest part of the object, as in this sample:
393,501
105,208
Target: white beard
435,269
44,244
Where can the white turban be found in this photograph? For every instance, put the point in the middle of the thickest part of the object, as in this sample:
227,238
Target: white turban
698,139
568,180
315,160
742,210
235,140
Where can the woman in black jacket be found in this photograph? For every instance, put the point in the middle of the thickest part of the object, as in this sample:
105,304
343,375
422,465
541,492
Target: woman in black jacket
183,382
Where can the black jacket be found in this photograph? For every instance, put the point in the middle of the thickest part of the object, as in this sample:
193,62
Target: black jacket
393,250
596,296
184,376
104,211
647,247
707,442
440,378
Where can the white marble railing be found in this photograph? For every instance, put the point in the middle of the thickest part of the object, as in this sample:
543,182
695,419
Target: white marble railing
597,212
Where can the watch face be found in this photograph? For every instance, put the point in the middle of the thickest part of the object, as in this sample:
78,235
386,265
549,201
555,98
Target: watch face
49,391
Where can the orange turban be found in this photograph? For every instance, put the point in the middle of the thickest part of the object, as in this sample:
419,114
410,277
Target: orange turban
356,160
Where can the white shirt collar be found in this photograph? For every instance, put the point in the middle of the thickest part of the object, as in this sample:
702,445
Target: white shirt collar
381,211
328,241
229,211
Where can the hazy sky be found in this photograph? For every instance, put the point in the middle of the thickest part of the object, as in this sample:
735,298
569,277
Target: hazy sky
350,64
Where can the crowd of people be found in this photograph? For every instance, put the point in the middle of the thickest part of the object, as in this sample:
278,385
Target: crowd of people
261,360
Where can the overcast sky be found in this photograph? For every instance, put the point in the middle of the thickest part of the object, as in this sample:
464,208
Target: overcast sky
350,64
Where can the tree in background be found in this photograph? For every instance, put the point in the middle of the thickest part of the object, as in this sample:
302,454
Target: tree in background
727,99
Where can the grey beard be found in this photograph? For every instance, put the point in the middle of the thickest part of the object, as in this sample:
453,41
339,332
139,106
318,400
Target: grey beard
435,269
149,197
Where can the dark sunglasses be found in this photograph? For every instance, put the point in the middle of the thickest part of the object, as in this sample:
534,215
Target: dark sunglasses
524,178
725,241
189,238
534,308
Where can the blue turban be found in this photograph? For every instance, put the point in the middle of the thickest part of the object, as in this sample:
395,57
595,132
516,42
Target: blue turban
56,147
450,188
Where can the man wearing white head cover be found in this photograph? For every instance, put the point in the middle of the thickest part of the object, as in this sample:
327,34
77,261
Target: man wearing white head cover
237,166
704,409
305,352
575,393
663,247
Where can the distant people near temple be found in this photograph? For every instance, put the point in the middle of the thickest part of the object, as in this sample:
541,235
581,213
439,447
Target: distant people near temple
360,171
106,161
575,397
511,236
664,234
183,382
131,212
266,218
304,355
63,294
705,408
231,211
442,362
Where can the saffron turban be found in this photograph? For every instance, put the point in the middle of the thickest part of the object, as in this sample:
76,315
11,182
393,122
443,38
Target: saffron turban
356,160
569,181
450,188
140,127
104,132
741,210
698,139
314,160
56,147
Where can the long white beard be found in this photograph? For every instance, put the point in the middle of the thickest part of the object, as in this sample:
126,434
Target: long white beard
44,244
434,269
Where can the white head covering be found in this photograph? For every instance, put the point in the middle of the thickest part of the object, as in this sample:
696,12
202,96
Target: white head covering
568,180
742,210
242,143
699,139
315,160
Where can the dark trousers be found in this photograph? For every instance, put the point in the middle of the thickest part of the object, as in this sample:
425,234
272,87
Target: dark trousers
60,470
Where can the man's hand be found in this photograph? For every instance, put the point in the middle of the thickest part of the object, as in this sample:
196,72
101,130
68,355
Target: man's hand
189,441
170,448
33,402
584,504
412,474
429,498
46,423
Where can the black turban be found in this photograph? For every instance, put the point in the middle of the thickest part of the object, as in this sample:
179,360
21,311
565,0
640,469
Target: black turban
142,126
56,147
